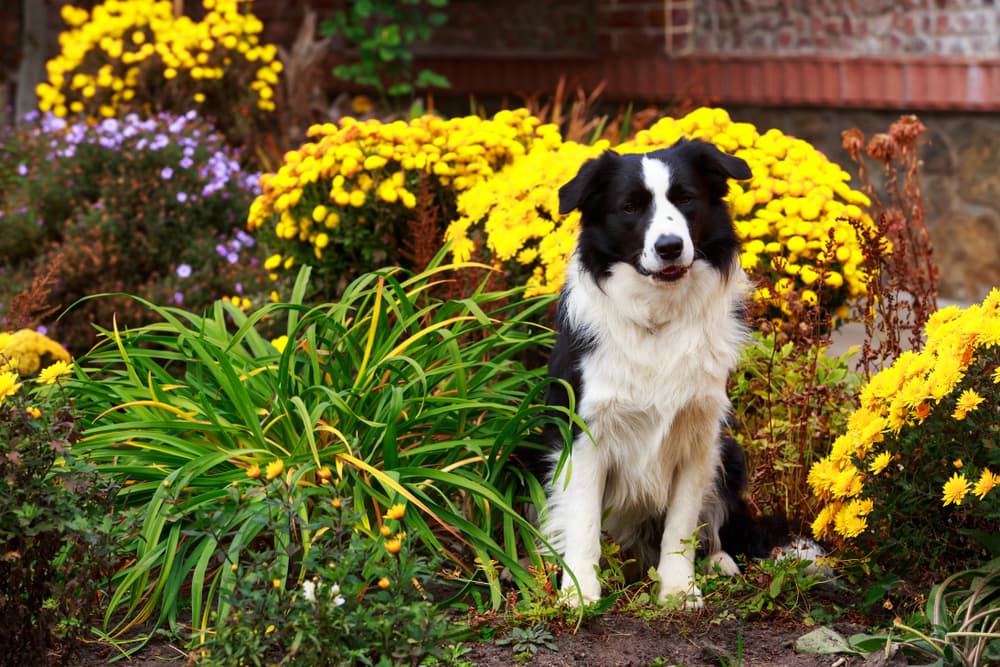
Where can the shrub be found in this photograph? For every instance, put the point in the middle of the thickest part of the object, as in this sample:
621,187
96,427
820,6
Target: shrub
351,198
788,401
359,598
148,206
56,530
402,396
792,217
136,56
26,351
913,475
383,32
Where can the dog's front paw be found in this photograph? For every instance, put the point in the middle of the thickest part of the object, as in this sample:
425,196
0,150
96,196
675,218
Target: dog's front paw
722,563
586,590
683,597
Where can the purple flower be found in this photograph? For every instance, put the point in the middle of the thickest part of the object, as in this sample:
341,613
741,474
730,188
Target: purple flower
182,197
166,173
232,258
42,329
186,162
184,271
22,169
178,298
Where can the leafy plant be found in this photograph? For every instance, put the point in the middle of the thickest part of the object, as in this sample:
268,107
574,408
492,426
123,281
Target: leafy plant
960,624
789,400
359,598
407,397
384,32
767,587
57,527
526,641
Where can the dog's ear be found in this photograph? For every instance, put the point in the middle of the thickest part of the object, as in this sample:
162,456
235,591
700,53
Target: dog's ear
714,165
573,194
724,163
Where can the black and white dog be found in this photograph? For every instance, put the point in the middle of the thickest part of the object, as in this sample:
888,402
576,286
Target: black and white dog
650,325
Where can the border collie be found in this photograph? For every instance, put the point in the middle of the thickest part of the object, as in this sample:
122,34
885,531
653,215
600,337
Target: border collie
650,325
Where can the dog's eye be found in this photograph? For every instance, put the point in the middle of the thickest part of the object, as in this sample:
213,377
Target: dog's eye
629,208
681,199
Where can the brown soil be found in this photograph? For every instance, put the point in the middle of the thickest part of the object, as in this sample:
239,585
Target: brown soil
612,640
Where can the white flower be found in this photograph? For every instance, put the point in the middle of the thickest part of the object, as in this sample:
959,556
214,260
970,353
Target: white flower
309,588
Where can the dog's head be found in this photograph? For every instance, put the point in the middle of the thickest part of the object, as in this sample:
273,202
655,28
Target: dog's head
659,212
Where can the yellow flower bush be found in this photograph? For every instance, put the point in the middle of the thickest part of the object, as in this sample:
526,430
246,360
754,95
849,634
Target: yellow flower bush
926,409
786,215
23,352
350,197
127,54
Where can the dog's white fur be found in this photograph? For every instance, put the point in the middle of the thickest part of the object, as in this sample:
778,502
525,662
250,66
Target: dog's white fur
654,403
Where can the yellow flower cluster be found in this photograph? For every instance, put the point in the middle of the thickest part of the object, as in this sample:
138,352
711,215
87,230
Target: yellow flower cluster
126,48
354,174
796,201
22,352
907,394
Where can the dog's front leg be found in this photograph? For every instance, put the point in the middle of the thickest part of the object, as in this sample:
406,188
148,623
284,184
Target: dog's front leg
679,542
576,504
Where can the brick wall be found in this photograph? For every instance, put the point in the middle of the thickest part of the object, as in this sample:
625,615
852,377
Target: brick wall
849,27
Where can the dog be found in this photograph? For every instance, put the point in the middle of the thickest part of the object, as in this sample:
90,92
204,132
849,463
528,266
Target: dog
650,324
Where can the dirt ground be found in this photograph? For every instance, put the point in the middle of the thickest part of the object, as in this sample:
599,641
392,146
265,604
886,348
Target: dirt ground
612,640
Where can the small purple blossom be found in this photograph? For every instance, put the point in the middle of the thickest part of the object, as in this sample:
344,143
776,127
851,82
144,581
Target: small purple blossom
22,169
166,173
182,197
184,271
178,298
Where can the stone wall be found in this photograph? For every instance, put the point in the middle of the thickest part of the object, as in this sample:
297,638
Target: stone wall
854,27
960,182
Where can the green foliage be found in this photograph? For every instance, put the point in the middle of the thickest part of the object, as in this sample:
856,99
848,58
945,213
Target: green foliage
153,207
789,401
384,33
960,624
353,603
765,588
526,641
410,398
56,530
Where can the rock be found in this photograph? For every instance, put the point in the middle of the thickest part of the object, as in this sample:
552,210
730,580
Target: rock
822,641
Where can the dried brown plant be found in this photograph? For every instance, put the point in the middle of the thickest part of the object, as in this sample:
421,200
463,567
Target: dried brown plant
898,256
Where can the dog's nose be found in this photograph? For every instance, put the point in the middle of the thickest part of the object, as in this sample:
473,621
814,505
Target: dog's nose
669,246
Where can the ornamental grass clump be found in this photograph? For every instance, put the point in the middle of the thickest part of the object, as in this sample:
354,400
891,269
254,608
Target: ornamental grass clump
353,196
138,56
914,476
792,216
150,206
400,395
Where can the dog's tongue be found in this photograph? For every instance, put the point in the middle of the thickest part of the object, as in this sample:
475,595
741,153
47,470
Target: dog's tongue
673,271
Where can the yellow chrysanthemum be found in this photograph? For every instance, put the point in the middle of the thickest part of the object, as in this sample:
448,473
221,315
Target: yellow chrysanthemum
274,468
968,401
954,490
986,483
51,373
396,511
8,384
880,462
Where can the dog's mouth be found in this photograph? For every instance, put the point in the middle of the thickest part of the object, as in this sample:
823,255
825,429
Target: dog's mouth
667,274
670,274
